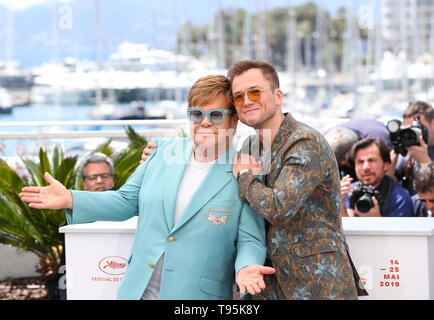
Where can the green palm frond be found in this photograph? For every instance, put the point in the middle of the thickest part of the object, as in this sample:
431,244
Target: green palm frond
125,164
136,141
127,160
57,157
37,230
104,148
44,165
65,172
27,228
33,170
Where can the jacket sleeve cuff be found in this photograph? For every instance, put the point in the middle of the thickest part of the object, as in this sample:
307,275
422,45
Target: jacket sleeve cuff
244,182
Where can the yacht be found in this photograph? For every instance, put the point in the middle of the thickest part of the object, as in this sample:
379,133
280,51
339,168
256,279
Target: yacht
17,81
6,104
135,73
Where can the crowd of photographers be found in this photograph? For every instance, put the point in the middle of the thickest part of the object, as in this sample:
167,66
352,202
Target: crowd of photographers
387,170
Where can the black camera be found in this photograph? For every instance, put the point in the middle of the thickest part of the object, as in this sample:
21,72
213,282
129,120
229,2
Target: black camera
361,198
406,136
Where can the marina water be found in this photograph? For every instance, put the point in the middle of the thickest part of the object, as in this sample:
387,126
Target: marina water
52,112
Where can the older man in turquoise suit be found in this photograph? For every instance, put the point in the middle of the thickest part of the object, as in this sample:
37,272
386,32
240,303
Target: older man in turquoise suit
193,233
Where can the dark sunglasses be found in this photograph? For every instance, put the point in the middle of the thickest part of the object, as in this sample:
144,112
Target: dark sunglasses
215,116
425,200
253,95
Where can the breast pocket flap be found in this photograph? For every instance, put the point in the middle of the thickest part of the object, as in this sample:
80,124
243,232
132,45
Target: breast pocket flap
313,247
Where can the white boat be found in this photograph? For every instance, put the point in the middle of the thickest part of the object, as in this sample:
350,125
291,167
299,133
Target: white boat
135,72
6,104
17,81
103,111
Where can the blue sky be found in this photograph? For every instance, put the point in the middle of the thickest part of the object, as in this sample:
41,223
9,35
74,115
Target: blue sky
149,21
331,5
196,10
199,12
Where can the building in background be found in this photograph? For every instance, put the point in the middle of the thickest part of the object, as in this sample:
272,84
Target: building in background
408,26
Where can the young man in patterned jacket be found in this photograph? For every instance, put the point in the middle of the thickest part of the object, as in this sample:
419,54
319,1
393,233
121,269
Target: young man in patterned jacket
288,174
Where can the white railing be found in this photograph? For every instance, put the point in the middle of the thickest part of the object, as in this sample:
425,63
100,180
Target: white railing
156,128
42,131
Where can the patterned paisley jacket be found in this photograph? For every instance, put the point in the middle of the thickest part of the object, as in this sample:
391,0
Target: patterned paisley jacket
299,196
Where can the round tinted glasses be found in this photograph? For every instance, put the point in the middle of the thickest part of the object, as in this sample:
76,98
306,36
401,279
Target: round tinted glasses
215,116
253,95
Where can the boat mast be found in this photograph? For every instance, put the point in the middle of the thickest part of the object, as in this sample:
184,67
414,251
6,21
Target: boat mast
221,37
262,43
431,51
292,50
351,45
234,38
403,53
98,90
247,49
9,49
378,49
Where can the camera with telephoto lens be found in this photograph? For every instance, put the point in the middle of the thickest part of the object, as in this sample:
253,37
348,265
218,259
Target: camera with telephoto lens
361,198
406,136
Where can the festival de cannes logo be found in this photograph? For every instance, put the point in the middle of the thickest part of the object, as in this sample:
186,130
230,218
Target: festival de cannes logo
113,265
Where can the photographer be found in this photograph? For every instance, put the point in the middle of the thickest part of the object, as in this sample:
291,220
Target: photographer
407,162
341,138
375,194
423,201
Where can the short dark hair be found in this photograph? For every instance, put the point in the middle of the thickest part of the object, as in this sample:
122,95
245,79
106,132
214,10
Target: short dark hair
364,143
424,178
267,70
419,107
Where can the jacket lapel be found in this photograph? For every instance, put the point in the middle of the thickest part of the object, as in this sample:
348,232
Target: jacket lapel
176,160
219,176
282,134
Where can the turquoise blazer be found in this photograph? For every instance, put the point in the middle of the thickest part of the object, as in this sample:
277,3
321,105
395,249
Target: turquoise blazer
216,235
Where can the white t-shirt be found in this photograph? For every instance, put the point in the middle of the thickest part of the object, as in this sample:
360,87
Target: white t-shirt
194,174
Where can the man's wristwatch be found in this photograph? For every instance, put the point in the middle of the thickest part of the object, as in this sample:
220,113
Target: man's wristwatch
242,172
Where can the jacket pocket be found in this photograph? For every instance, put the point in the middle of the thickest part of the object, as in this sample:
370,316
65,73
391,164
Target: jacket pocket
313,247
216,288
219,213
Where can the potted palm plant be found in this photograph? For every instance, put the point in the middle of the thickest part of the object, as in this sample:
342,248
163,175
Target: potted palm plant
36,230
